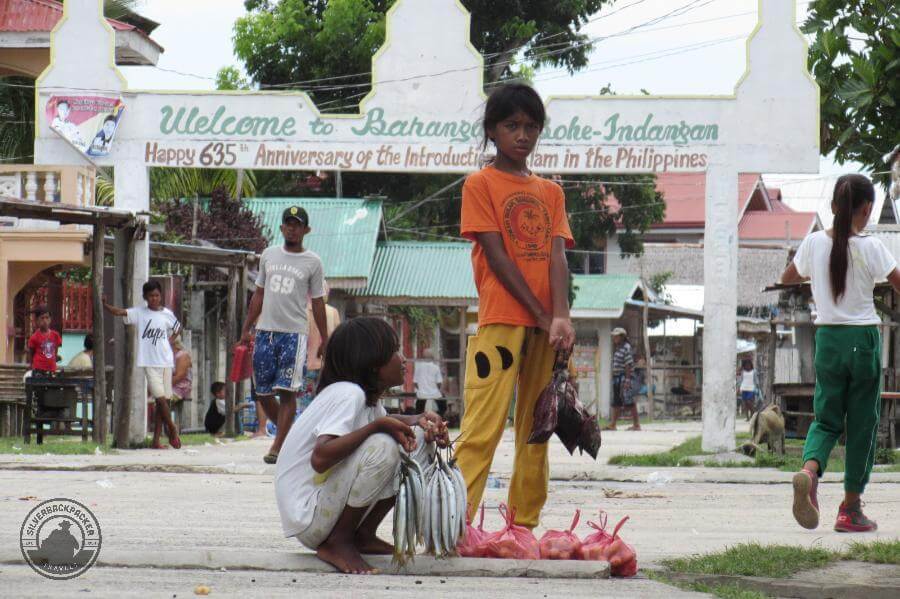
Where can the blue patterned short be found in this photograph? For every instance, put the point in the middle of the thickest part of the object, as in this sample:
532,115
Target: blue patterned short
278,360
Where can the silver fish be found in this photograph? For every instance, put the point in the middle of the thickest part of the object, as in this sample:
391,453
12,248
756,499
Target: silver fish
400,510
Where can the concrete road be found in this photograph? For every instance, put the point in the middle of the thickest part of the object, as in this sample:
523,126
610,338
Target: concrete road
21,582
226,501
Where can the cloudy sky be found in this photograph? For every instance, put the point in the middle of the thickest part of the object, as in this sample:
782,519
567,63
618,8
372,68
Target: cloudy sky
663,46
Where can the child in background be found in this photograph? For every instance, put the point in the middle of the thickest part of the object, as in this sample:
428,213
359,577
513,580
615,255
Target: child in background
337,473
155,326
519,225
43,346
843,265
748,388
216,414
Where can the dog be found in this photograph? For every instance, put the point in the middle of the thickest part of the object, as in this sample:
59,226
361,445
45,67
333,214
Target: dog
766,425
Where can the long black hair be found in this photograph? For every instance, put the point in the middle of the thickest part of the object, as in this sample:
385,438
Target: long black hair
508,99
850,193
356,350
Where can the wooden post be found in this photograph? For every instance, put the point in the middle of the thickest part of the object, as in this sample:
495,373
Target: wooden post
123,394
230,341
462,362
98,434
648,372
772,352
241,310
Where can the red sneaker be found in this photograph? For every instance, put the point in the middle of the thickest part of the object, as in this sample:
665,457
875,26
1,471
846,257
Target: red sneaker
806,502
851,519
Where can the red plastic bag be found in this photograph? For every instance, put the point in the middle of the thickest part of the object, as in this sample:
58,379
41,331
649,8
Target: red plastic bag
601,536
513,541
602,546
561,544
473,544
242,363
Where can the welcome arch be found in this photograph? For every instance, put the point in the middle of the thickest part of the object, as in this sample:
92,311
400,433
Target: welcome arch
421,116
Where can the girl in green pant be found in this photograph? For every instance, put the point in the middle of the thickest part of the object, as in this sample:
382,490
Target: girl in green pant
842,265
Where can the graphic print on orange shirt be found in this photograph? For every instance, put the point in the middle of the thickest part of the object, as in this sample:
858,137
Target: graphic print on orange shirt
527,223
528,212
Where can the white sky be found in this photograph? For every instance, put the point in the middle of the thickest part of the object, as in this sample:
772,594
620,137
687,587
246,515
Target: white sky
676,55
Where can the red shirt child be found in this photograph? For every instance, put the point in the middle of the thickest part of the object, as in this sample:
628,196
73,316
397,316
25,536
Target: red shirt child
44,344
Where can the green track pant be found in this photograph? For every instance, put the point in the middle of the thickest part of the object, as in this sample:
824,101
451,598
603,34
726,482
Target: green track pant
848,388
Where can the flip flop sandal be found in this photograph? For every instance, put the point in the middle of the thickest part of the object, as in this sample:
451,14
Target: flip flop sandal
270,458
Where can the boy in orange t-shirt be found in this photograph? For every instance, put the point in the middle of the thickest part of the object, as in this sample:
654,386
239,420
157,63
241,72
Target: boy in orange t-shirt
519,225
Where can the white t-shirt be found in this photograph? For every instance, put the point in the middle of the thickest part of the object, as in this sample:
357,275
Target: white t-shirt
338,410
427,377
154,327
747,382
288,279
869,262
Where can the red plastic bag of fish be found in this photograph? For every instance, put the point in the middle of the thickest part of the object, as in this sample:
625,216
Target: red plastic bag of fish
513,541
475,541
602,546
561,544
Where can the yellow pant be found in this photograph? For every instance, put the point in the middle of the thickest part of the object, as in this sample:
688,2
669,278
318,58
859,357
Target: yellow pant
497,358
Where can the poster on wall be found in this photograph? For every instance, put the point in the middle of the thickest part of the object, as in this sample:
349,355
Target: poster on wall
87,122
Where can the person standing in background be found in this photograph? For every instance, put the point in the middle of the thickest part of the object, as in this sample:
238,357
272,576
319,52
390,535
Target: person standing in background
623,375
155,327
427,379
43,345
313,355
288,275
182,376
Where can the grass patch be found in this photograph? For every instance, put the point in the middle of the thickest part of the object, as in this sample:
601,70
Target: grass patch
876,552
768,561
675,457
753,559
56,445
73,445
725,591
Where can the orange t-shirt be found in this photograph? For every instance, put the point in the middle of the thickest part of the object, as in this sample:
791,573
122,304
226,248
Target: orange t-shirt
528,212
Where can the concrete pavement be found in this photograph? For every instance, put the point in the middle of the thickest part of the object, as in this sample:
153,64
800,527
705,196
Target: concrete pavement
221,499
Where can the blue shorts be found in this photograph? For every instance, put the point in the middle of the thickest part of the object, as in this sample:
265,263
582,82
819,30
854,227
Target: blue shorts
278,360
748,395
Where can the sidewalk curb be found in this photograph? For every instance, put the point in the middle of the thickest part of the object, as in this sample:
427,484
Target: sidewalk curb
424,565
786,587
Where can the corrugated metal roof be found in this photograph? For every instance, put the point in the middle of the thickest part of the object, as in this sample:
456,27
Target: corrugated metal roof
42,15
603,296
422,270
758,225
685,197
343,234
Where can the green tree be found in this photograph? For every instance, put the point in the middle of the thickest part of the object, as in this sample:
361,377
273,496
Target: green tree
231,78
855,58
17,119
282,42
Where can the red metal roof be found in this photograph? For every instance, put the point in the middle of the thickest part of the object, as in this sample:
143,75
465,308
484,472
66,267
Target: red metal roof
685,197
42,15
757,225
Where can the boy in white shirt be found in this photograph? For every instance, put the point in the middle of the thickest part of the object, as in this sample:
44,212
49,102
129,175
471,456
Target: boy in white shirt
156,326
